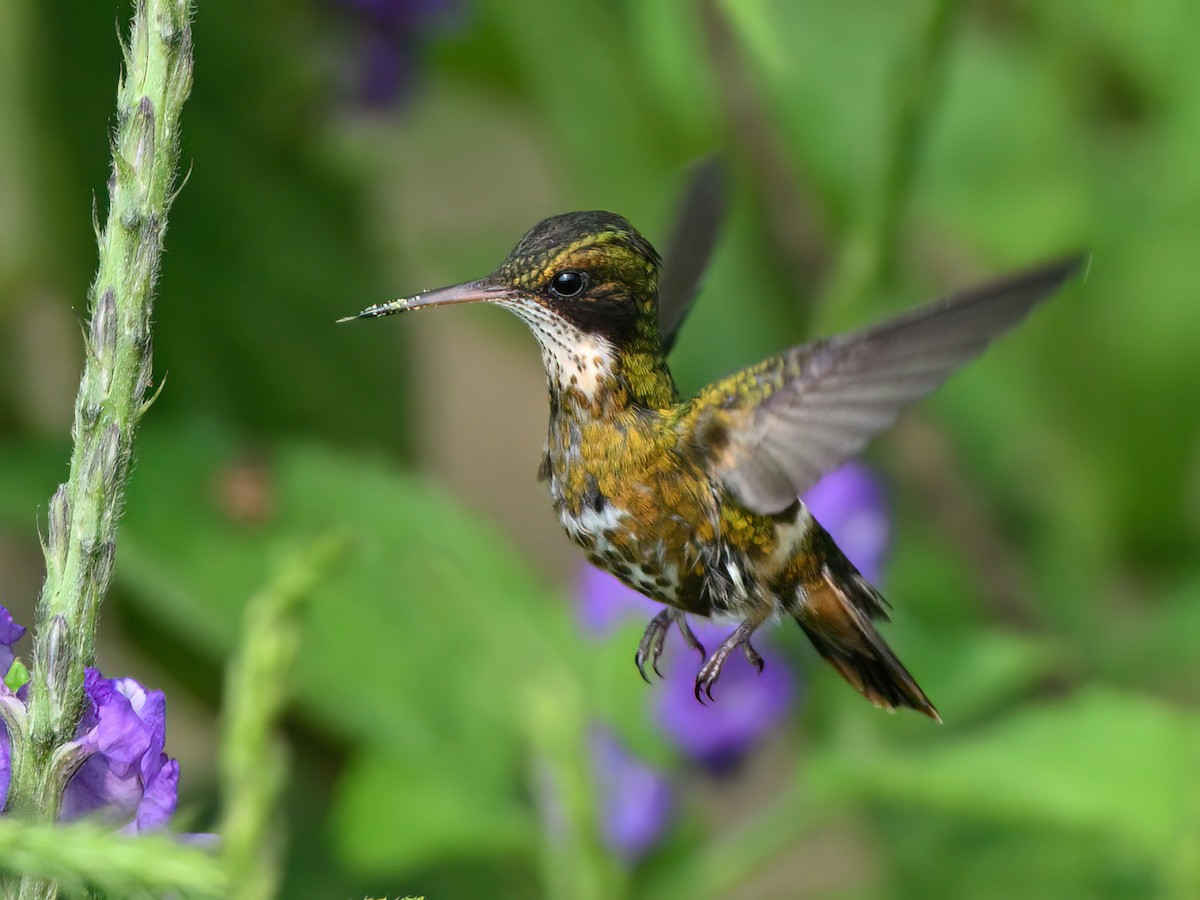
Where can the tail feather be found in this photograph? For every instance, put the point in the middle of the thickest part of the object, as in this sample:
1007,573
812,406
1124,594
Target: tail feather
836,615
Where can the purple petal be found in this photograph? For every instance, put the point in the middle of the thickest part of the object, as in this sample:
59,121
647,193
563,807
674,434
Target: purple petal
389,38
605,603
151,709
10,633
851,504
746,707
385,68
401,14
116,731
97,788
635,799
5,765
160,796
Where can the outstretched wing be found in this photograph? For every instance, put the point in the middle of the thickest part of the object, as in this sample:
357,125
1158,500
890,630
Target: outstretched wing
774,429
697,221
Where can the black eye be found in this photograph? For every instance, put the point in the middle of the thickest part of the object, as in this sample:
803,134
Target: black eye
568,284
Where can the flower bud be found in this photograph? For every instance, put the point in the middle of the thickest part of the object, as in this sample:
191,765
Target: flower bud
59,528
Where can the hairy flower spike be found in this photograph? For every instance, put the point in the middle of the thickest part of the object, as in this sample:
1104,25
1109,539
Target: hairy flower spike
84,513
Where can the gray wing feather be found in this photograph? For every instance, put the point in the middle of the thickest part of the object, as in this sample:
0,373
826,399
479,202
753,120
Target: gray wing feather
697,221
831,397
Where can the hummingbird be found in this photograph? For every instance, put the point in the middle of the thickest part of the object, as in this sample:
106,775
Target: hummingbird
695,502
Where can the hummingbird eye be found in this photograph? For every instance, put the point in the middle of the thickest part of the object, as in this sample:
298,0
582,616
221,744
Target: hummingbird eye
568,284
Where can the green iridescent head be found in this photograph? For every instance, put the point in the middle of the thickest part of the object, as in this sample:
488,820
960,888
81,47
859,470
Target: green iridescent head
590,270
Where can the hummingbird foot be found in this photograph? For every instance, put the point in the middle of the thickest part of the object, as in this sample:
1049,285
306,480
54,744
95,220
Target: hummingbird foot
752,656
688,635
711,670
651,646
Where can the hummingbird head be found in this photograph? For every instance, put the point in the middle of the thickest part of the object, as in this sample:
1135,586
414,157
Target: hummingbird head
586,284
591,270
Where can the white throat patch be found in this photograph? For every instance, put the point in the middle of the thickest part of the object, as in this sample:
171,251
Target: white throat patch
573,358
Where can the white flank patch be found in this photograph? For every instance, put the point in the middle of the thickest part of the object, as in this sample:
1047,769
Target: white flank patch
788,536
592,523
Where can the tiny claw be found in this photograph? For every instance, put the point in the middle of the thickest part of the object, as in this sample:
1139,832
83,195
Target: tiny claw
753,657
651,646
637,659
657,649
711,670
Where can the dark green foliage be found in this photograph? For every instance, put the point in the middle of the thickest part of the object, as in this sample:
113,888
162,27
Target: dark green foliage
1045,575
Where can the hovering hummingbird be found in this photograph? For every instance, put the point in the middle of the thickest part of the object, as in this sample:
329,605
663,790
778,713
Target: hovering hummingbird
695,503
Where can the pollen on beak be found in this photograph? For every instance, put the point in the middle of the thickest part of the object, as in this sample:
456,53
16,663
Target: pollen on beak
468,292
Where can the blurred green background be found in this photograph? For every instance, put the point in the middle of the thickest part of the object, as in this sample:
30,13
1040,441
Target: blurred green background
1047,502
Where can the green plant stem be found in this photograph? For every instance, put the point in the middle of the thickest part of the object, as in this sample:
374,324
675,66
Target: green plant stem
868,255
83,856
253,759
80,541
728,863
573,860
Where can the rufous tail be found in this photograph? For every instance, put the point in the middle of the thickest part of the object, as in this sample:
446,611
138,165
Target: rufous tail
836,613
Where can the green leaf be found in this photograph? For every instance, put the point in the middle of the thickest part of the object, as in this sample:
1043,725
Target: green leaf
17,676
978,672
399,813
428,591
1100,762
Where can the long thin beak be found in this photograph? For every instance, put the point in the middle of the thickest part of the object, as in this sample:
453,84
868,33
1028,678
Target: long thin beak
468,292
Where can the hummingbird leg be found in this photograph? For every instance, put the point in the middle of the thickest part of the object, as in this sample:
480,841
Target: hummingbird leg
711,670
651,647
688,635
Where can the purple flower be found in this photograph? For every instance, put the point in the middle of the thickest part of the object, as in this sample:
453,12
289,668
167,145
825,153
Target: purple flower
10,633
390,33
635,799
126,778
851,504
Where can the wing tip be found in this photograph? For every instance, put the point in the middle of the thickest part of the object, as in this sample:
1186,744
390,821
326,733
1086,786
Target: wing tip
1060,270
1036,282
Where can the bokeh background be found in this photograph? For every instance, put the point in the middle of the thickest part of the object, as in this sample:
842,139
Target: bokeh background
453,719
